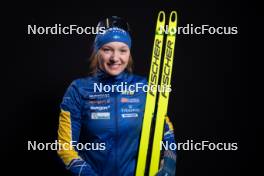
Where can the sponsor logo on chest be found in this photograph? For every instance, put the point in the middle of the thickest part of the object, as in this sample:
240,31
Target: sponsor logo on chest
129,115
100,115
130,100
100,108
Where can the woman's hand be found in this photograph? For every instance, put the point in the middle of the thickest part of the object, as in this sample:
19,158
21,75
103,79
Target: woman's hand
168,165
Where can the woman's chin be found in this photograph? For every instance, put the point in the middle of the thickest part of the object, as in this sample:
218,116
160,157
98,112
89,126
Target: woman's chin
114,72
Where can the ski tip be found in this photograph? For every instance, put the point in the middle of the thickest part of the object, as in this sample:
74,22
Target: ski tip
173,23
160,23
173,17
161,16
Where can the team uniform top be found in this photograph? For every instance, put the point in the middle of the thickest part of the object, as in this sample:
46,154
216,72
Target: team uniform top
109,123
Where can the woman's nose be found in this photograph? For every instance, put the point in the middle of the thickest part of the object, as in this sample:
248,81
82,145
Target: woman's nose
114,56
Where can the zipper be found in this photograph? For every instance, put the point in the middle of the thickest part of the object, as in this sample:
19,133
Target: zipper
116,123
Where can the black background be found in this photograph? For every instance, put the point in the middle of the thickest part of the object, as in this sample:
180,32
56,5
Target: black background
210,98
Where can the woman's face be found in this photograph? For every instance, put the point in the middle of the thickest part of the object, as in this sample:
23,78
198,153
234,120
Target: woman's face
113,57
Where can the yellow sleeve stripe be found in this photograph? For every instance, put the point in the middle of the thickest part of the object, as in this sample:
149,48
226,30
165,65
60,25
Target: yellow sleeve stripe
66,153
169,123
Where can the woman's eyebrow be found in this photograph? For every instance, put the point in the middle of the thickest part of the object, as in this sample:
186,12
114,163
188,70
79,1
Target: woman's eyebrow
107,47
124,47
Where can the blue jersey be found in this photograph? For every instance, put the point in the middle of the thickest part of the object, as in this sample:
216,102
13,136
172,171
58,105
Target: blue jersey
102,119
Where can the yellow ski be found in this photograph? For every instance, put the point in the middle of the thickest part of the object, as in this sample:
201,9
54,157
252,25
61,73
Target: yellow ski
164,94
151,95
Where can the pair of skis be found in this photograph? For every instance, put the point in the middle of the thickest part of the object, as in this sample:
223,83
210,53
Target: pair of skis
162,104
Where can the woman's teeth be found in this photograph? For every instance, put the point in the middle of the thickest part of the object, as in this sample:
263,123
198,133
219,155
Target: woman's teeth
113,65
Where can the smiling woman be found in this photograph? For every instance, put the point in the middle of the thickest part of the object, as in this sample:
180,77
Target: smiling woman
113,118
114,57
112,49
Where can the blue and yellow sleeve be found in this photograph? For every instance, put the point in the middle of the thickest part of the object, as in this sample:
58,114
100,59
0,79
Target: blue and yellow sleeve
169,155
69,130
168,136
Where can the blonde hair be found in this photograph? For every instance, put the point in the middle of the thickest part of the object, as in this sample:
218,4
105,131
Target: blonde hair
94,63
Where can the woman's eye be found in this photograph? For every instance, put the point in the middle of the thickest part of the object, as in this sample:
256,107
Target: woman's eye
106,49
123,50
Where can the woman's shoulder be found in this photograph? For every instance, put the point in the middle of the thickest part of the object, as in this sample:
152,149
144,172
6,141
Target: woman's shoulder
83,82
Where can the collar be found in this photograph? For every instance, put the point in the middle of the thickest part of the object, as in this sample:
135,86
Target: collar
103,76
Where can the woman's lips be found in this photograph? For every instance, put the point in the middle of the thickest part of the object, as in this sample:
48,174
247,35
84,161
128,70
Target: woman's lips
113,66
